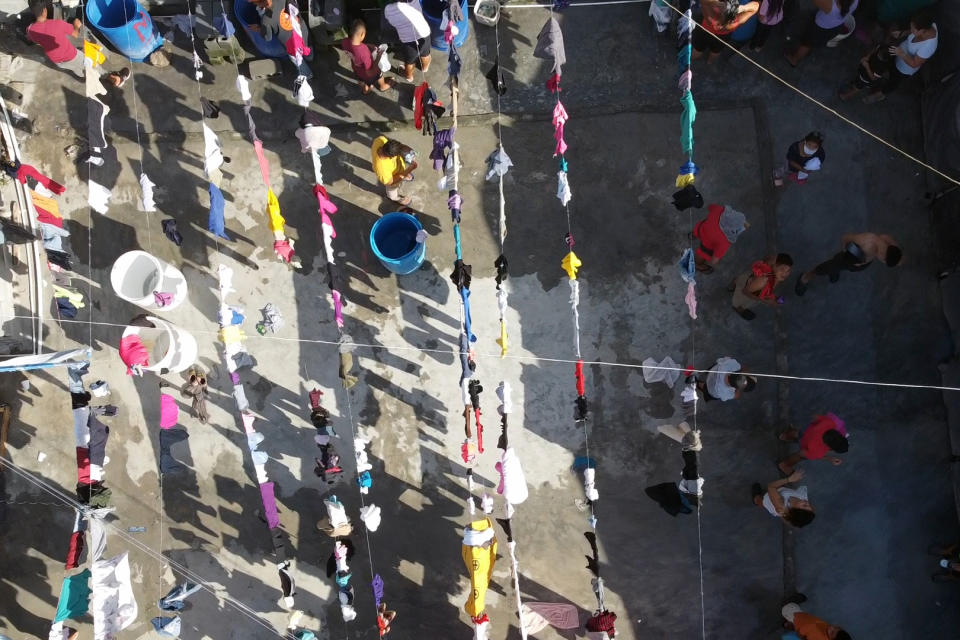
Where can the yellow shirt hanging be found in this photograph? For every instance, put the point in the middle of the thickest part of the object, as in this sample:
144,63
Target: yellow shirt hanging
273,211
570,264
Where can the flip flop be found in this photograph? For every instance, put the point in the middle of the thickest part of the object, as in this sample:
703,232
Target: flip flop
405,201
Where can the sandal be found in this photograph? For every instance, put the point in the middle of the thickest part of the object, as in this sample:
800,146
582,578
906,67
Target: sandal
405,201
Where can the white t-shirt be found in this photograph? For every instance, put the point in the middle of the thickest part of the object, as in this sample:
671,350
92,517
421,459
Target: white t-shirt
923,49
717,379
407,18
800,493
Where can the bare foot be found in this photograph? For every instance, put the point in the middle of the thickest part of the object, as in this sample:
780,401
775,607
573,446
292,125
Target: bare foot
785,468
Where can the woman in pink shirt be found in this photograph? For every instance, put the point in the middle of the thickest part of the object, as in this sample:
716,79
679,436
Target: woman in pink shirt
824,434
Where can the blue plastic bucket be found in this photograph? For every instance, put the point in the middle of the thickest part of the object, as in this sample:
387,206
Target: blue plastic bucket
126,25
247,16
433,12
393,239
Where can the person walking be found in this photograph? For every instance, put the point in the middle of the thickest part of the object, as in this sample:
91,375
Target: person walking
394,163
277,22
826,22
759,284
824,434
807,626
54,37
792,505
726,381
716,233
803,157
858,252
365,59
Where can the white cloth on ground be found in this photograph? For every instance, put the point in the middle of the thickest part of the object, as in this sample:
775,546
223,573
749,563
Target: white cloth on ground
111,602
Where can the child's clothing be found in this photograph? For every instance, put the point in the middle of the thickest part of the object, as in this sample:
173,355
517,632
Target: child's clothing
361,58
881,66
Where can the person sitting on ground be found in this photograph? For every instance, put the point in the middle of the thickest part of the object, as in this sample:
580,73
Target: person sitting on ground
790,504
759,284
720,19
825,433
825,23
809,627
365,58
726,381
54,36
803,156
394,163
910,55
949,562
716,233
859,251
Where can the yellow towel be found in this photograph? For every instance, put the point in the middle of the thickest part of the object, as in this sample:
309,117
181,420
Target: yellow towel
273,212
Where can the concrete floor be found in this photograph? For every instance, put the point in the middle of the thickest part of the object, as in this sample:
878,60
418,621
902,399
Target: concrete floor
861,563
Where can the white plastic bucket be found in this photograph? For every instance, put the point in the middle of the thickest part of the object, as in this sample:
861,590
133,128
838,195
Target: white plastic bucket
169,347
137,274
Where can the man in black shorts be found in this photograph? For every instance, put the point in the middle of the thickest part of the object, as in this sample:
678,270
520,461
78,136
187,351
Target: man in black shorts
858,252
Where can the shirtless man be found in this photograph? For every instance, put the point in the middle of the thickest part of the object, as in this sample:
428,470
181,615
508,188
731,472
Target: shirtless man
858,251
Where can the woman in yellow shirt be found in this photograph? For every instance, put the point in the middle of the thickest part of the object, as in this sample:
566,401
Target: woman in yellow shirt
393,162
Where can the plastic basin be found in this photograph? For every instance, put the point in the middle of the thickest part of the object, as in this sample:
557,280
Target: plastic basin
433,11
126,25
393,239
247,16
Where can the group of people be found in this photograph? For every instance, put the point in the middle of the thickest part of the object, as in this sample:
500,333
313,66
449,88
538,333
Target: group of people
900,54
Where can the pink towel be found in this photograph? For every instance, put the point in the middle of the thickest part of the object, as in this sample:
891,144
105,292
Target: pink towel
557,615
132,352
691,300
169,411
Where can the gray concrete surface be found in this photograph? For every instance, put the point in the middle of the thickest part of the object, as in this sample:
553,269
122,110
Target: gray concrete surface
862,562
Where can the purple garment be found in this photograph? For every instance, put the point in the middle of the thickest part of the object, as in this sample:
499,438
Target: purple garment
378,589
442,140
269,505
162,299
337,307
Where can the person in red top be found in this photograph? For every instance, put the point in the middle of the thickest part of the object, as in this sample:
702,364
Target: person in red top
54,36
810,627
720,19
365,65
824,434
721,228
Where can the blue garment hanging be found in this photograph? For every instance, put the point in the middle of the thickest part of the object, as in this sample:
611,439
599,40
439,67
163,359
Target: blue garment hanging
683,57
456,239
688,266
686,122
465,296
217,204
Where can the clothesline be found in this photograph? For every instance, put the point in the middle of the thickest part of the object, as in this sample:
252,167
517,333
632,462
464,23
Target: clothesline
184,571
820,104
550,6
533,358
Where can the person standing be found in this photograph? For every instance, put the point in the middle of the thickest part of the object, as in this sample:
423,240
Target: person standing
394,163
824,434
405,18
913,52
781,501
725,381
365,59
759,284
858,252
720,19
54,36
803,156
826,23
769,15
716,233
810,627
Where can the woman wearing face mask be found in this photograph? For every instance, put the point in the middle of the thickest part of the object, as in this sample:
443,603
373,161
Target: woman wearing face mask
803,156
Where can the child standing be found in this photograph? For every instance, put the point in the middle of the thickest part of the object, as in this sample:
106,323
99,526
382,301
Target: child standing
769,15
873,72
365,65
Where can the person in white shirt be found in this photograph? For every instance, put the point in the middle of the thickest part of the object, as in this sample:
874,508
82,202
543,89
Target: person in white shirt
781,501
726,381
911,54
413,33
